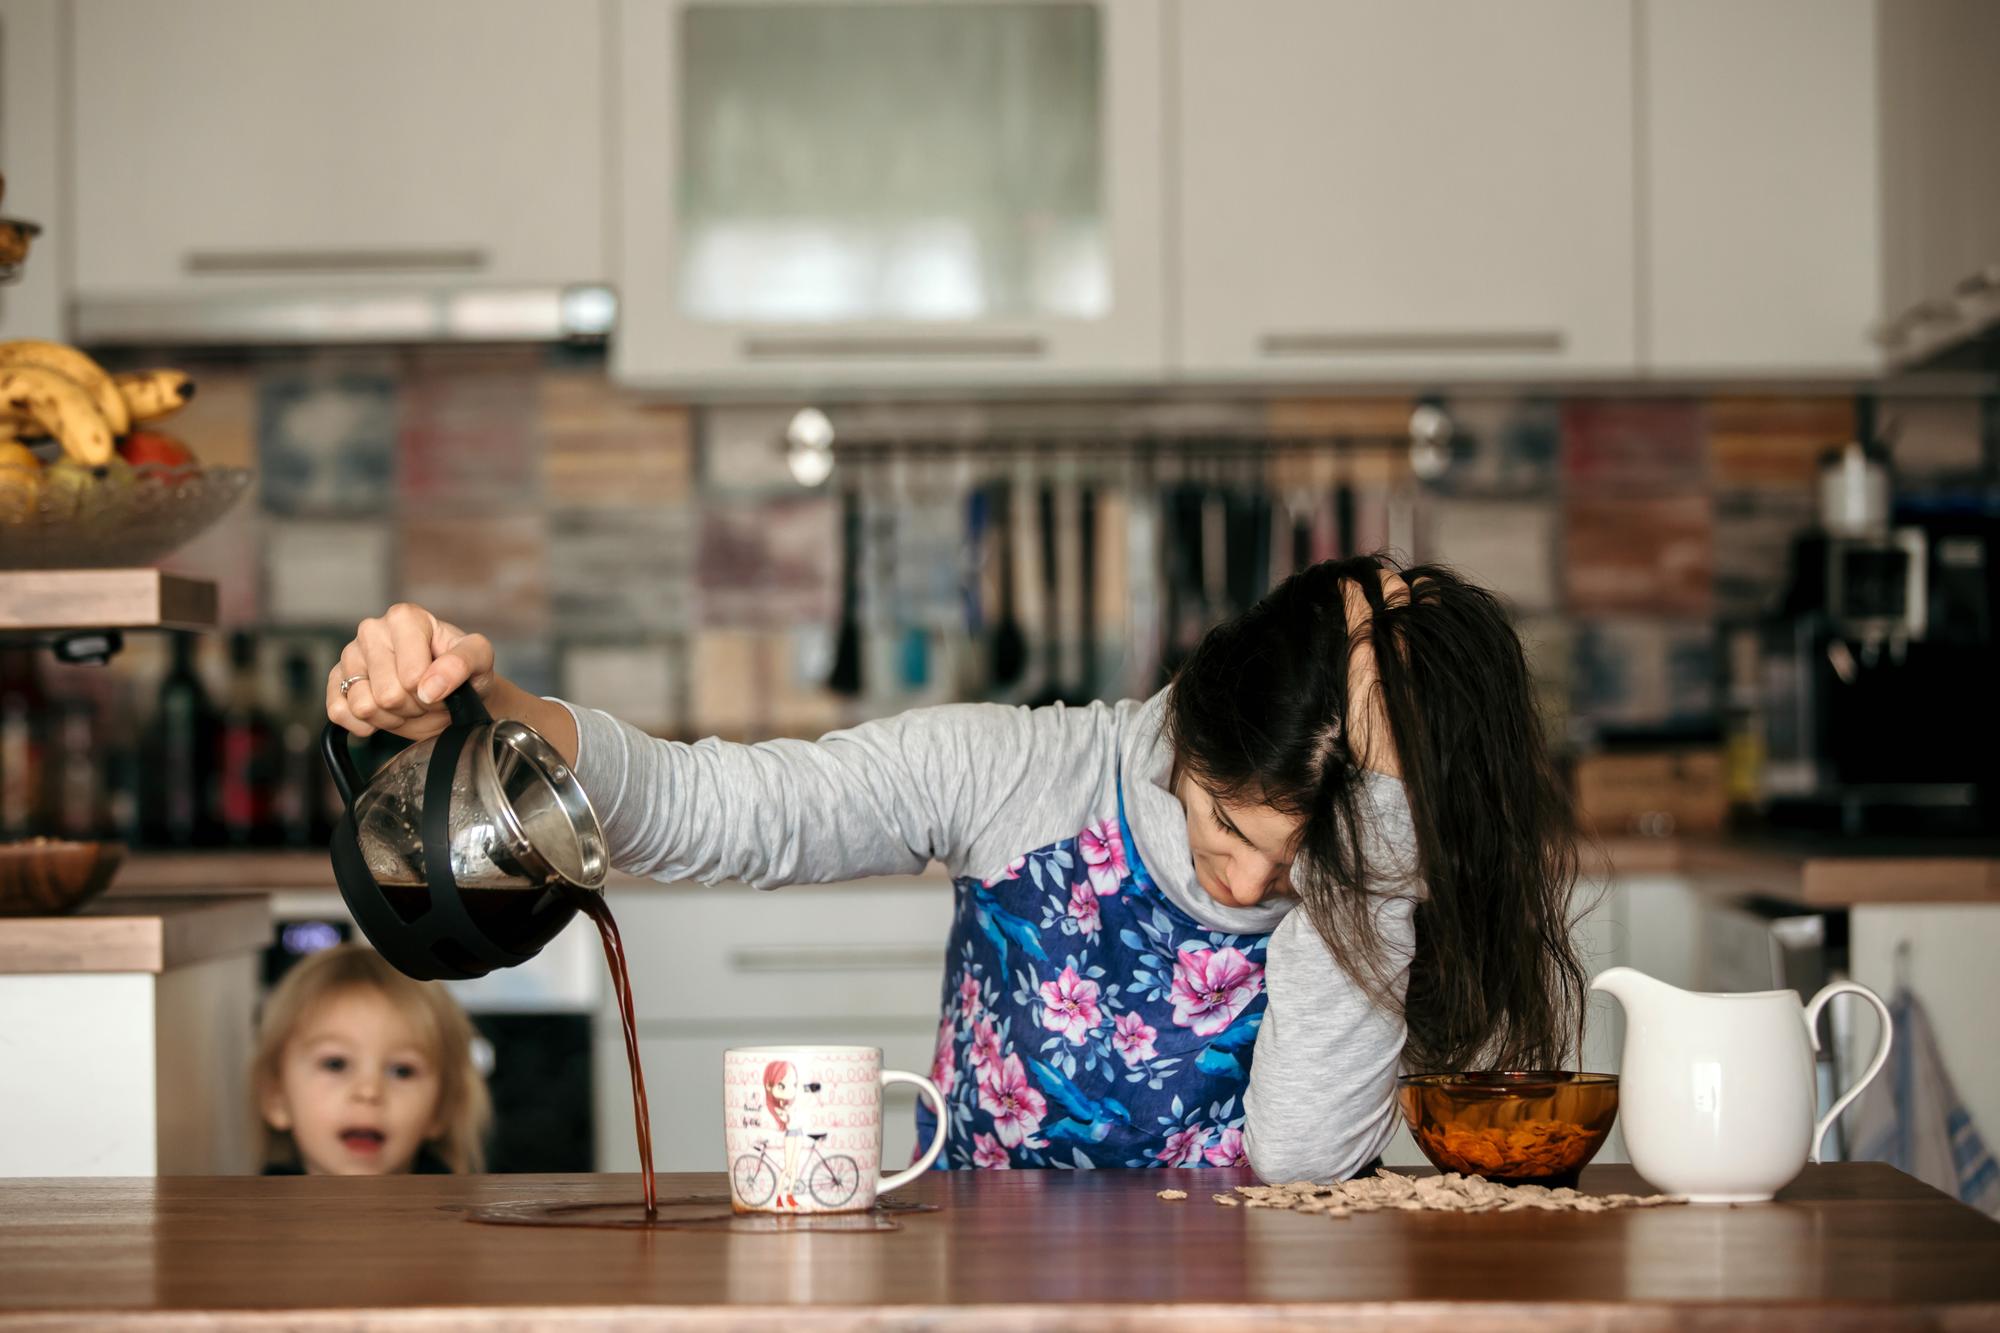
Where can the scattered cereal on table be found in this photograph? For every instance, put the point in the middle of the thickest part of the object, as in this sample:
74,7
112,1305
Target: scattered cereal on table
1173,1194
1450,1193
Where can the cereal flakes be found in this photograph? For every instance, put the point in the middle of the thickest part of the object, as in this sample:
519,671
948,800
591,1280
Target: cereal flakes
1452,1193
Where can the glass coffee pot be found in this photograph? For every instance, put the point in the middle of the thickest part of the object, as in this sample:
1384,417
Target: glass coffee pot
468,851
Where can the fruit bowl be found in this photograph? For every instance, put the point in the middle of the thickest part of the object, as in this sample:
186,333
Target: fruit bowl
1534,1128
69,517
43,877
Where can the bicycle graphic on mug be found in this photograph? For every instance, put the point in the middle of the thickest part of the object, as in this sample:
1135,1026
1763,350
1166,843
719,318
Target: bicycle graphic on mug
831,1179
790,1101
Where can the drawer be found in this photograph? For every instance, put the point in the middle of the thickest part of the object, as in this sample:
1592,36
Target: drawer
684,1087
702,957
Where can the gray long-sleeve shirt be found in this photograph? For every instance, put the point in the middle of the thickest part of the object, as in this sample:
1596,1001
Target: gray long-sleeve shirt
974,786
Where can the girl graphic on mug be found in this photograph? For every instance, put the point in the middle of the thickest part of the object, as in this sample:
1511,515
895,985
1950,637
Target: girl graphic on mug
790,1103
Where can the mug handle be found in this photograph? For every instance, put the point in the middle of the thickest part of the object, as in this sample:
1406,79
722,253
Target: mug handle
925,1088
1874,1066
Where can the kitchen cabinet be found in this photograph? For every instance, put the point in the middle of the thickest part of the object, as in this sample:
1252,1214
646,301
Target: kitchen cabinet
125,1031
834,195
1404,189
225,147
1939,104
849,964
30,154
1759,187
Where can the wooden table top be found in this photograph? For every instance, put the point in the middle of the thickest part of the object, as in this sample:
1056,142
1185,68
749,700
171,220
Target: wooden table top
1847,1247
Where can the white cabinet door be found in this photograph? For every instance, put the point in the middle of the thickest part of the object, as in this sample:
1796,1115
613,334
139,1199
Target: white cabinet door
30,146
1940,185
1387,189
1763,242
839,194
225,145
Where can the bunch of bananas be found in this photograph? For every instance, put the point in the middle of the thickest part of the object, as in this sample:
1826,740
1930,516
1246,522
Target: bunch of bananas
53,391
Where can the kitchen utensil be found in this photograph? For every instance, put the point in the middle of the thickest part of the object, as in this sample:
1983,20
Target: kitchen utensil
1085,681
845,677
1532,1128
1009,650
802,1127
1720,1089
45,877
468,851
1049,689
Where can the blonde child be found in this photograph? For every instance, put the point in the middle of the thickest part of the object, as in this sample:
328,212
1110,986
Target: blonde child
361,1071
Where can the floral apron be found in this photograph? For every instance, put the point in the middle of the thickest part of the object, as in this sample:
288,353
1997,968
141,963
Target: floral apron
1088,1021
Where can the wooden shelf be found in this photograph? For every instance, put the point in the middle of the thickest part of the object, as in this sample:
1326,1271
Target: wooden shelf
135,935
52,600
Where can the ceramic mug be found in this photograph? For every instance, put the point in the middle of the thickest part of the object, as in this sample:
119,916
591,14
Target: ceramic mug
802,1127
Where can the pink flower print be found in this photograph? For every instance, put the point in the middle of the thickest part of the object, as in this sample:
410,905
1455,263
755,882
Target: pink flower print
1211,987
1013,871
984,1050
1134,1039
944,1070
968,995
1016,1107
988,1155
1227,1149
1103,851
1184,1148
1083,908
1069,1006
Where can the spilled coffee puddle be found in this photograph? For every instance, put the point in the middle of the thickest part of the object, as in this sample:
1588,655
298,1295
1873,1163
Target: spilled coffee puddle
693,1212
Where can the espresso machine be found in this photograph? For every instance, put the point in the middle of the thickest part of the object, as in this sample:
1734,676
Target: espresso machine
1878,678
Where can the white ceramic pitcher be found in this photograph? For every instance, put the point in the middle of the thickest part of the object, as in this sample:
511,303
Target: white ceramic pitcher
1717,1092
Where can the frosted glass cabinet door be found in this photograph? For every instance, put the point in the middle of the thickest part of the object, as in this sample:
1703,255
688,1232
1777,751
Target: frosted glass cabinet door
1386,189
823,193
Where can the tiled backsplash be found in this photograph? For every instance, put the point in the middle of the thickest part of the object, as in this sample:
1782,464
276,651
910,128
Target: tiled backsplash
662,562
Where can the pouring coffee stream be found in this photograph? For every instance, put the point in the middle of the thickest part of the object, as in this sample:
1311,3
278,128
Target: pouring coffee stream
469,852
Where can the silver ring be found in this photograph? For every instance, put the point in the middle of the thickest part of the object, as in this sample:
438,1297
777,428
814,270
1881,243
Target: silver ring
348,684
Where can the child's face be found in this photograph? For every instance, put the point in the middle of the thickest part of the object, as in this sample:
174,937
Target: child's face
356,1090
1242,853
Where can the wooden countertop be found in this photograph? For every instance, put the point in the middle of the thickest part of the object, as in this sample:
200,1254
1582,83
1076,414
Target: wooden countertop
135,935
1847,1248
1819,872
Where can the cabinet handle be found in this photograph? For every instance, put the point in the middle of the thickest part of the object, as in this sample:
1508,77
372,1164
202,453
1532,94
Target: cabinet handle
1434,342
1979,282
1931,310
229,262
855,958
820,347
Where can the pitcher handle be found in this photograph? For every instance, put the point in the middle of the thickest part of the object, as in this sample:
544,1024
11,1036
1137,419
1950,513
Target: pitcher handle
1874,1066
925,1088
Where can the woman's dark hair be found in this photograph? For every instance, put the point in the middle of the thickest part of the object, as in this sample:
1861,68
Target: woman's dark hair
1258,715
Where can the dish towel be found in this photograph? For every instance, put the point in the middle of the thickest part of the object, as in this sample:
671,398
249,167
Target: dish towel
1912,1118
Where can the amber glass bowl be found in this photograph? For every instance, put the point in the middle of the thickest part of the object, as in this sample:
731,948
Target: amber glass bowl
1532,1128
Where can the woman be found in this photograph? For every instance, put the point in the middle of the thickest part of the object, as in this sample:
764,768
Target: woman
1128,982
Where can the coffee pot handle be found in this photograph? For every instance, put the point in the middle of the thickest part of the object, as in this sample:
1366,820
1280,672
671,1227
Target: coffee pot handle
467,708
464,704
1874,1066
340,763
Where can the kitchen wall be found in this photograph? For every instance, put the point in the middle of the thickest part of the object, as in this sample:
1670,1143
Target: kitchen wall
664,562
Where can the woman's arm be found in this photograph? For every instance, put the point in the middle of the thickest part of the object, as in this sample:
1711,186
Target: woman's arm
1322,1098
884,797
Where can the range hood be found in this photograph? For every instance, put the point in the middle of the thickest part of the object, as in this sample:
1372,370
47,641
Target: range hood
282,316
